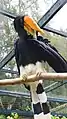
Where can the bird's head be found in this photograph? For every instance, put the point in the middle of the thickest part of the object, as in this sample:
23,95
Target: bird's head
27,24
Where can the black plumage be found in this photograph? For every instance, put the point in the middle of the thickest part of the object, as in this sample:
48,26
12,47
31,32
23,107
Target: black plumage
32,50
29,50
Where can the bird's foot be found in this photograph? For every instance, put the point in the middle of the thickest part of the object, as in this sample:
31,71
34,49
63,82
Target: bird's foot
23,77
38,73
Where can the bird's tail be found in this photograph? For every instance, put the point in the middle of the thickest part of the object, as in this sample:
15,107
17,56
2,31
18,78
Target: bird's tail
39,102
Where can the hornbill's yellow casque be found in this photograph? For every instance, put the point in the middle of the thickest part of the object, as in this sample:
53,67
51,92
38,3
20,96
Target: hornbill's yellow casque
30,51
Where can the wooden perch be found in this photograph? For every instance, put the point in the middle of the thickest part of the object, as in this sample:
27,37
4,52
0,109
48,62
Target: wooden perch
33,78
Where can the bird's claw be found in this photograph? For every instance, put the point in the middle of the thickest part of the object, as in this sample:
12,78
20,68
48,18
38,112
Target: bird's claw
24,77
38,74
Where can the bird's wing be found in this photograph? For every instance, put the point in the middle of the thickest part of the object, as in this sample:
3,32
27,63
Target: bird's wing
51,55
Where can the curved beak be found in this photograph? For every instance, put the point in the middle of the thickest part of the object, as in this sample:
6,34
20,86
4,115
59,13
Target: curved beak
30,25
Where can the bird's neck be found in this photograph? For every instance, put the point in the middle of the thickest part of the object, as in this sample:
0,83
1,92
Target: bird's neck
23,34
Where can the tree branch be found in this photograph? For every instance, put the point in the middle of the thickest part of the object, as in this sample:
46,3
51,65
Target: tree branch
33,78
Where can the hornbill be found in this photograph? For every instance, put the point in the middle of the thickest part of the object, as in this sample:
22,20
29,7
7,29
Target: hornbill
31,51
